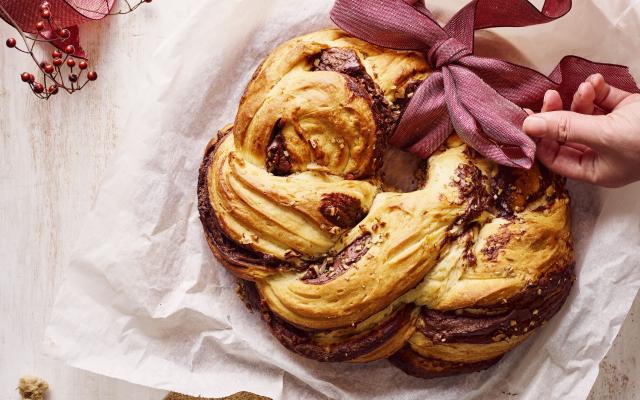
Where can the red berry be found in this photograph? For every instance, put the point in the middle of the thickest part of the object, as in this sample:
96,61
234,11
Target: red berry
147,1
83,65
57,62
70,49
73,78
49,69
40,26
45,13
53,89
92,76
63,33
71,62
11,43
32,78
25,76
56,54
38,88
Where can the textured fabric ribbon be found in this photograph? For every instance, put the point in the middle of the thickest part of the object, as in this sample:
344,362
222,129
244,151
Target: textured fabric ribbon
65,14
482,99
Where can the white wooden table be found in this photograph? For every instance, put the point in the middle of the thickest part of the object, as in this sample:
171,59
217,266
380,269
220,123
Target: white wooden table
52,157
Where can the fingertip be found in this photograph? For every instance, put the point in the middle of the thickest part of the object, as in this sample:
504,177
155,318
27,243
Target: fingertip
547,96
578,95
552,101
585,88
535,126
551,95
586,92
607,97
596,79
583,98
599,85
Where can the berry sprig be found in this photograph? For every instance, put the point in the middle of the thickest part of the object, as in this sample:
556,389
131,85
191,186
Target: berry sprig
129,8
66,70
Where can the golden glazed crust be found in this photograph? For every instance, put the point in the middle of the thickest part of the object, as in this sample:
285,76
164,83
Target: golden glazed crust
443,279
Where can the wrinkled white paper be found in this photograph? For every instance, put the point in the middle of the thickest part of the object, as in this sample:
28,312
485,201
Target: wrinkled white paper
145,301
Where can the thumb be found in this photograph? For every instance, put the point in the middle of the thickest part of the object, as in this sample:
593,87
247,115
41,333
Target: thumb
566,126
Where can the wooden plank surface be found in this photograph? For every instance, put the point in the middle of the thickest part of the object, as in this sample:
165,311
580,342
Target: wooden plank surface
53,155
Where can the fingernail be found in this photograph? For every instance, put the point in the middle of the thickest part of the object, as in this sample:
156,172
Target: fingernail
535,126
582,89
595,79
547,96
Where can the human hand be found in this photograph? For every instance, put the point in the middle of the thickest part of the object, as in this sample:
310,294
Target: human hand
598,141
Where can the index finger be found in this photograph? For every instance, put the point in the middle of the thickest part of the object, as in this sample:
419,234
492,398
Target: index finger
607,97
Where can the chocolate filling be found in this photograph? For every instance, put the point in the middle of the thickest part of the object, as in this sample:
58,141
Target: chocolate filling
278,162
402,102
470,182
508,196
341,210
414,364
224,247
495,243
346,61
528,310
332,267
302,342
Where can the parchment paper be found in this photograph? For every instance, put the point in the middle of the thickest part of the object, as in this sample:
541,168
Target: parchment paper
145,301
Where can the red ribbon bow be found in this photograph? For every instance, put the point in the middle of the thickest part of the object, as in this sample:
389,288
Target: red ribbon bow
482,99
65,14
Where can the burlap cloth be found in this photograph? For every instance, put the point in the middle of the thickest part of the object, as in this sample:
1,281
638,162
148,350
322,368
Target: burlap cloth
237,396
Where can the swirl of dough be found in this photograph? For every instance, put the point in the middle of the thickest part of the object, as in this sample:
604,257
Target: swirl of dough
322,102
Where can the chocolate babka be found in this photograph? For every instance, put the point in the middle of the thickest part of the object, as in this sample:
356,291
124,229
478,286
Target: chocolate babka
441,279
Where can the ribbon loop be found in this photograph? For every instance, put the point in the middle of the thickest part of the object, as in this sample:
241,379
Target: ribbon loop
446,52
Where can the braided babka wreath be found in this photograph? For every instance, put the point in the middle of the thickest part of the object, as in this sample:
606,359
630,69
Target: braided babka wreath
343,267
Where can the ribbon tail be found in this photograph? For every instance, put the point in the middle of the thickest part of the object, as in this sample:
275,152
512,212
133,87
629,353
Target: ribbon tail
427,105
425,124
487,121
441,129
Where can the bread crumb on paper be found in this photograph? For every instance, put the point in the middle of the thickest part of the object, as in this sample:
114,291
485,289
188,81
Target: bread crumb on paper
32,388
